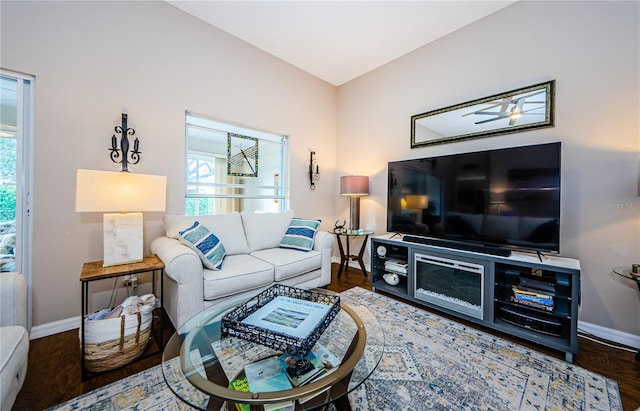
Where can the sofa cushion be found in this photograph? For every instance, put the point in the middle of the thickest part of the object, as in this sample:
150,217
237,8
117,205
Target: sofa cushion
290,263
208,247
300,234
227,227
239,273
265,230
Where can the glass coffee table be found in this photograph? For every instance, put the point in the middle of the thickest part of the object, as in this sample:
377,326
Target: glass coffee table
199,361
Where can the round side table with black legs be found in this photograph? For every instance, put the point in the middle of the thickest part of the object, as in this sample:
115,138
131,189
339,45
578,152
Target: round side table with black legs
626,272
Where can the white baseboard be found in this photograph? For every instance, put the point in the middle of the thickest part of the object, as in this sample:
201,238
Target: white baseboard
55,327
609,334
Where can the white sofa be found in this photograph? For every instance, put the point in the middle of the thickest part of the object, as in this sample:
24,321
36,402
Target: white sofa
14,341
253,262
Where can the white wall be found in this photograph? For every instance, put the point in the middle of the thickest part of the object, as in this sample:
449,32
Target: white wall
592,50
94,60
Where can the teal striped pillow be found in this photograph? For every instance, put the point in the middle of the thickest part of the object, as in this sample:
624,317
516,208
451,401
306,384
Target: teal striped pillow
300,234
205,244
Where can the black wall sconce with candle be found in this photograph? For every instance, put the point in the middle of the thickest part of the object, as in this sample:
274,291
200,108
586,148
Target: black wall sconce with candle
314,175
132,157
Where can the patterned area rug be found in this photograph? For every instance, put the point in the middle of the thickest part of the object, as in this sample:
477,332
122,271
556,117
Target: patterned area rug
430,363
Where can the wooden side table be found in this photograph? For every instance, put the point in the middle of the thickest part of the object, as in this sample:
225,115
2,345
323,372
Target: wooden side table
346,257
94,271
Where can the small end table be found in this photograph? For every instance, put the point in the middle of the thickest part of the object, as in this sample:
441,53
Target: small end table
346,257
94,271
627,273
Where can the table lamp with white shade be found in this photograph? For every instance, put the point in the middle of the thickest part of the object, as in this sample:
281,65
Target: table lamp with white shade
122,196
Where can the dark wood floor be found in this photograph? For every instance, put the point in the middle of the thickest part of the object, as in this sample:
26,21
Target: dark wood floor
53,374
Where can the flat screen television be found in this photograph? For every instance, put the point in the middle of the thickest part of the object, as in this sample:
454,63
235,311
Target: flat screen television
499,199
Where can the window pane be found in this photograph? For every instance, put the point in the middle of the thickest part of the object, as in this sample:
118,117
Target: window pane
233,168
8,148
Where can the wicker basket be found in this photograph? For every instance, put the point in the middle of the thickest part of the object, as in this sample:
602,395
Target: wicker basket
114,342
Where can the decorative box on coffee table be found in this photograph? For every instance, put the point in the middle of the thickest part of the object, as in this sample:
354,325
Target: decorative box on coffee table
242,322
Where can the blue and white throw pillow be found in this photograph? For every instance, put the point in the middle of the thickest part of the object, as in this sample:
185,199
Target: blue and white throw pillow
205,244
300,234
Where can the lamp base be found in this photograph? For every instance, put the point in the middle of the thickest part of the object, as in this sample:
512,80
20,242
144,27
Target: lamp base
354,213
122,238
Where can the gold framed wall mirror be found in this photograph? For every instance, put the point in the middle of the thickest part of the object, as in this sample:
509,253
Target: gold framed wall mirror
513,111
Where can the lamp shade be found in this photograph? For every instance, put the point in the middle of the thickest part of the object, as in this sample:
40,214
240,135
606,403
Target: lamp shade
354,185
108,191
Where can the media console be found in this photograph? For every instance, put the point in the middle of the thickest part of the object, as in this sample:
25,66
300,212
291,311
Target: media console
516,294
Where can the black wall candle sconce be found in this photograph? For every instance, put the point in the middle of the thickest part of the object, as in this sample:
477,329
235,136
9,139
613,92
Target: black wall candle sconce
132,157
314,175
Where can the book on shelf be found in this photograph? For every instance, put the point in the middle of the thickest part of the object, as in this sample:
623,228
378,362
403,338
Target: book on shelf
266,375
533,304
534,284
289,316
532,299
395,266
533,295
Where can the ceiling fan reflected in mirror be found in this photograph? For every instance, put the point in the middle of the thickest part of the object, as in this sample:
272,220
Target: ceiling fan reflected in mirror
514,111
512,108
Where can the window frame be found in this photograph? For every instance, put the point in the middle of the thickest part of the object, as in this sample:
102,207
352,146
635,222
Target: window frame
281,180
24,178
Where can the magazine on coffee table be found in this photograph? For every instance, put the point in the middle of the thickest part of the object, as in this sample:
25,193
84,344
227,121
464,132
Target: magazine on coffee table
300,369
318,363
266,375
290,316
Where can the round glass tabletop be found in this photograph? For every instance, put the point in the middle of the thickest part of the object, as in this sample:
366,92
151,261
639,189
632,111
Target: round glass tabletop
199,362
627,273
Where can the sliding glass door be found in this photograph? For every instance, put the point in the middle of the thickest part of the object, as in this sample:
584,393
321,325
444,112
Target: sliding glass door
16,125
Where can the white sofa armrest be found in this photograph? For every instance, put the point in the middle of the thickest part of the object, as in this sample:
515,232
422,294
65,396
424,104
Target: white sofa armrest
323,241
180,261
13,299
184,293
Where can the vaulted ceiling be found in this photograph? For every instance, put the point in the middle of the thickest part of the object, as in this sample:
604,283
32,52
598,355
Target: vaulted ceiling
338,41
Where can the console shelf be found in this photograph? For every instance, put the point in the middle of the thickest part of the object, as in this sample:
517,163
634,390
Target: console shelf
517,294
